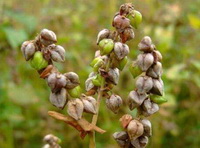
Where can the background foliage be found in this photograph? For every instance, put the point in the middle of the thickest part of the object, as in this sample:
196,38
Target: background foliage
174,26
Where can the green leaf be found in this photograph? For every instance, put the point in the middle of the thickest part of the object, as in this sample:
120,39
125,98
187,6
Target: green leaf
30,22
15,37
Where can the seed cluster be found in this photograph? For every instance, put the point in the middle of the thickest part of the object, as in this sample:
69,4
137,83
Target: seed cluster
41,53
146,97
51,141
109,60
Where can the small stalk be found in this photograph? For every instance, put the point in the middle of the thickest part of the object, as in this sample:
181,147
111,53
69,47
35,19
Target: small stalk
92,143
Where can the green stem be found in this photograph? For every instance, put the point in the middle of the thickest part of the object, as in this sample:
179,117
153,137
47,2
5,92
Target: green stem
92,143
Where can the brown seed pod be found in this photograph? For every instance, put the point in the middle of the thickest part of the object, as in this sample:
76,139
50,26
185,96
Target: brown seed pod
47,37
121,50
122,139
56,82
146,44
127,34
126,8
113,75
158,87
135,129
57,53
140,142
75,108
72,80
114,103
144,84
157,56
103,34
125,120
89,104
59,99
149,107
28,49
155,71
145,61
120,23
135,99
147,127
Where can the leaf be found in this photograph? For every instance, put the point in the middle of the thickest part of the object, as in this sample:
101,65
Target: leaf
15,37
29,21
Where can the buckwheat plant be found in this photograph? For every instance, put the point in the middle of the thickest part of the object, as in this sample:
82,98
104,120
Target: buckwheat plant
107,64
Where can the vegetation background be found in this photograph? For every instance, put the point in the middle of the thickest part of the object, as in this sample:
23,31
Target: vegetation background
174,26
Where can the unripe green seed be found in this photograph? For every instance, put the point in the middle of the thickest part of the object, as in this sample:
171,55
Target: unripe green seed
38,62
135,70
106,46
122,63
97,80
95,61
135,19
75,92
158,99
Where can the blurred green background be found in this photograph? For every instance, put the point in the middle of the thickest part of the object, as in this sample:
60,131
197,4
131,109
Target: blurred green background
174,26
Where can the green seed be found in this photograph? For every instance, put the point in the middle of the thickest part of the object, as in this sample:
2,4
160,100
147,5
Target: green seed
135,19
158,100
122,63
38,62
75,92
106,46
135,70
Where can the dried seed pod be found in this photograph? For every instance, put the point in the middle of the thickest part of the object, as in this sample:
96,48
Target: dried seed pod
59,99
125,120
144,84
75,92
113,75
122,139
51,139
146,44
126,8
149,107
90,104
47,37
102,35
73,80
114,103
121,50
127,34
155,71
56,82
120,135
136,143
135,99
158,87
141,142
135,129
89,84
38,62
106,46
147,127
157,55
57,53
120,22
75,108
28,49
145,60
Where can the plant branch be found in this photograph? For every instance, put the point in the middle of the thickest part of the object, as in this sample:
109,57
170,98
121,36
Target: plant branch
95,117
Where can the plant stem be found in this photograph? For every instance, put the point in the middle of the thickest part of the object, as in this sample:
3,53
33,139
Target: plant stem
92,143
